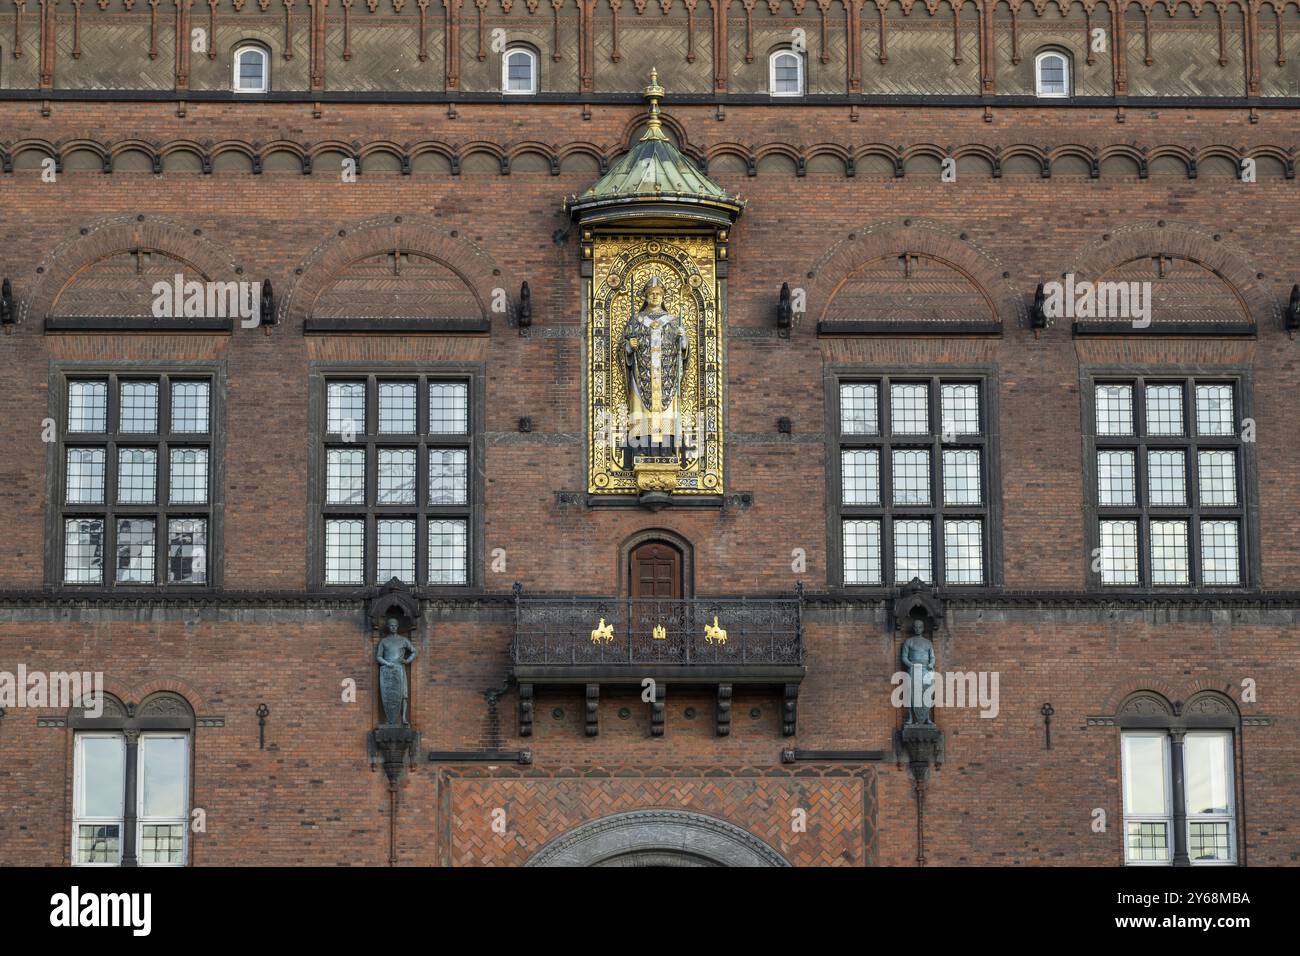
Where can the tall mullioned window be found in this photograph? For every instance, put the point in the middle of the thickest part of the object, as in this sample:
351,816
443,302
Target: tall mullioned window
136,464
1168,475
99,799
913,481
397,494
1149,759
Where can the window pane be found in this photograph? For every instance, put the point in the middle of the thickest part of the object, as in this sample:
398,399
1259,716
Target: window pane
396,551
1219,560
1051,76
1114,410
1167,478
448,561
344,551
912,551
163,779
190,408
99,843
396,477
909,409
1119,563
162,843
85,484
1116,484
1164,409
963,552
83,551
912,477
1209,778
961,476
1144,774
1214,410
136,550
252,70
862,552
961,410
1148,841
1169,552
397,408
345,476
1208,842
139,407
1218,477
448,476
102,785
860,476
448,408
785,72
187,551
189,476
347,408
519,72
87,406
137,476
859,409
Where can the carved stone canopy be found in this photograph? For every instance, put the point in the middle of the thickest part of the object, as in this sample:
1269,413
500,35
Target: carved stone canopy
916,599
394,599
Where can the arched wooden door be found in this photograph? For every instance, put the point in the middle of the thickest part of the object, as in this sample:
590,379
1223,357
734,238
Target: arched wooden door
655,571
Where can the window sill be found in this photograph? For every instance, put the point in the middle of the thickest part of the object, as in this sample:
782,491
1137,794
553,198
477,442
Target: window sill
915,329
350,326
1206,330
126,324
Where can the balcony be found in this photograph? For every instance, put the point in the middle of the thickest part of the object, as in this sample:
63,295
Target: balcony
624,641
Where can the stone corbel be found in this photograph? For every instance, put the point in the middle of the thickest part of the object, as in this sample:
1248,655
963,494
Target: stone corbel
592,728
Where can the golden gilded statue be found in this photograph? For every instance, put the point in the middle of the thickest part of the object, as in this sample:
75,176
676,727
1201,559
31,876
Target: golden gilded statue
655,350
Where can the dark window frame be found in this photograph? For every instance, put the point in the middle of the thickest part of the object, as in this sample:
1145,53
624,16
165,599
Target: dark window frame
372,373
1246,511
988,511
162,510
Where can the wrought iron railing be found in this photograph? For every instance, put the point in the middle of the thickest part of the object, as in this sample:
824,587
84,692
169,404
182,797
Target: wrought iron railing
640,631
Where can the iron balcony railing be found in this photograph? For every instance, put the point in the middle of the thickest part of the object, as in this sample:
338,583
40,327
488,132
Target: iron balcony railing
638,631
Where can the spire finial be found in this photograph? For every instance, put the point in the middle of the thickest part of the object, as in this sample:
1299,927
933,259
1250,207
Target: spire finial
654,92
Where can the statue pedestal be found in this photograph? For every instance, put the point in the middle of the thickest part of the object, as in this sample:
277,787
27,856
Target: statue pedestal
396,747
920,745
656,479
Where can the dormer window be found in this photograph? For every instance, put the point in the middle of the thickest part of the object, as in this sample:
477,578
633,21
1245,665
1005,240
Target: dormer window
1052,74
252,70
786,74
519,72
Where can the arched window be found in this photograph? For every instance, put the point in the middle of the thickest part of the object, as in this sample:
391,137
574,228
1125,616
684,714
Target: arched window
785,73
519,72
252,70
1052,74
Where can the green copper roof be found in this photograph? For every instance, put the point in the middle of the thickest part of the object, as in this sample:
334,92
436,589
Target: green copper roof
654,170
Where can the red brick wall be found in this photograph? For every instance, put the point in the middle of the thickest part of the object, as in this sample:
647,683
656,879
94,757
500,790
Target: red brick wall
311,795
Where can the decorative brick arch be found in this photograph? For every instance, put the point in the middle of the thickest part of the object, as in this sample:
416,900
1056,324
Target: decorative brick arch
1178,241
657,837
115,236
883,240
1151,688
422,237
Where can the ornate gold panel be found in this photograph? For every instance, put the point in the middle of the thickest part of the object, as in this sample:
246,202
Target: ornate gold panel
622,267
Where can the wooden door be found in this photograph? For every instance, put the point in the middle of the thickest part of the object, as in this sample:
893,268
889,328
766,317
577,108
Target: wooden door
656,571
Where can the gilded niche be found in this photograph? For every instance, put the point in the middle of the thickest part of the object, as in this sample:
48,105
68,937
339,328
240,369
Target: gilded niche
654,262
656,366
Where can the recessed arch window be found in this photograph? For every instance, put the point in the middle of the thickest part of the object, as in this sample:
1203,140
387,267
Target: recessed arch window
252,69
1052,74
519,71
785,73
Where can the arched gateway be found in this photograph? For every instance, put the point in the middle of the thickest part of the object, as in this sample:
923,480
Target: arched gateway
657,838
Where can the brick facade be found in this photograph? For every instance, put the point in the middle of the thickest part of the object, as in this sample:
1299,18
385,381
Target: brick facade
313,795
